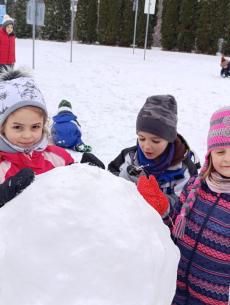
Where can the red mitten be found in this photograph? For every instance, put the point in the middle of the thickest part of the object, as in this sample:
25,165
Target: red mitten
151,192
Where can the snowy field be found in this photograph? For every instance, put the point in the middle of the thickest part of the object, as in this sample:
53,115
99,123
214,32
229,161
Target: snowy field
108,85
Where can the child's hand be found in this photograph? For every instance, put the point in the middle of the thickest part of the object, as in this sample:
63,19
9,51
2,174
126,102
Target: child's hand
92,160
15,185
151,192
134,170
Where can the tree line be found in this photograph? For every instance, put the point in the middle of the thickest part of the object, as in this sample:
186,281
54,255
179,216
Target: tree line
196,25
108,22
187,25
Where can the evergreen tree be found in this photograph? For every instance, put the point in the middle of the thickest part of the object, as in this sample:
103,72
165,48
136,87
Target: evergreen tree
2,2
189,11
207,28
91,21
49,30
226,32
81,19
222,10
11,8
113,30
226,44
63,20
103,21
141,26
127,24
170,24
22,29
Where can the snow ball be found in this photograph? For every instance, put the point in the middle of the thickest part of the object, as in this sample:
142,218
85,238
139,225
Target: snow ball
79,235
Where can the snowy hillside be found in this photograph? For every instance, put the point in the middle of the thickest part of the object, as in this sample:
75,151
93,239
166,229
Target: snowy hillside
108,85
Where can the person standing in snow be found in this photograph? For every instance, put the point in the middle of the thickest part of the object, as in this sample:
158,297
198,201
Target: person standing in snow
225,65
160,151
202,221
66,130
24,148
7,43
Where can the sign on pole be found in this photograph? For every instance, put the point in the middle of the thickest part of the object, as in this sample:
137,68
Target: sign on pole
2,12
35,15
152,6
149,9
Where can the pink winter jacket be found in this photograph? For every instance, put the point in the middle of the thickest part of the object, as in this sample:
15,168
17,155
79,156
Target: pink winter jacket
39,162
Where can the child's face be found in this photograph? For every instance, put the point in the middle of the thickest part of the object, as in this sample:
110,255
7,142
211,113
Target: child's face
151,145
9,29
24,128
221,161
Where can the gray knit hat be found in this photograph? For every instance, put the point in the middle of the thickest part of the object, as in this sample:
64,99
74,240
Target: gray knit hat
18,89
158,116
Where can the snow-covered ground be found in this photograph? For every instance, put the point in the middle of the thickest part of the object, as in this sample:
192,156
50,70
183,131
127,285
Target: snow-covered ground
108,85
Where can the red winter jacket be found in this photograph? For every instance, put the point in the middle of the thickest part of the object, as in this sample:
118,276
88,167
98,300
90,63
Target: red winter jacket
7,48
39,162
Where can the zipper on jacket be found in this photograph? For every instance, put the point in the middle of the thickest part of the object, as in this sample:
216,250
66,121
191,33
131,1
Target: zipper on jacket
196,244
8,49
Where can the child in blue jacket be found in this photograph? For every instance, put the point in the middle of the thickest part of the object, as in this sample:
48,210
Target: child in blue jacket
66,131
225,65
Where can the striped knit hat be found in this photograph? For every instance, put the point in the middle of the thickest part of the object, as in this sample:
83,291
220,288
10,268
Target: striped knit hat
223,62
218,137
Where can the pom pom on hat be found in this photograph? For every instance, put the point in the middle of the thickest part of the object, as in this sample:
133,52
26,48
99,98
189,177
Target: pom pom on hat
18,89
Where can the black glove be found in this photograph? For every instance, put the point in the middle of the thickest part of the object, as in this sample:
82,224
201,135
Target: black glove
91,160
134,170
15,185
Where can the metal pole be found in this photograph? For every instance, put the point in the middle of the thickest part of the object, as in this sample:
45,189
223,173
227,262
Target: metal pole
34,14
147,25
135,26
72,19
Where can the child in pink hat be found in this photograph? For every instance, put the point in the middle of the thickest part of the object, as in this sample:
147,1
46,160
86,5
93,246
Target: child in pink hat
202,221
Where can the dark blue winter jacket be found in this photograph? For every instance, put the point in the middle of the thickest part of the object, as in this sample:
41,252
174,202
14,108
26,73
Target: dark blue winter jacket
225,70
65,130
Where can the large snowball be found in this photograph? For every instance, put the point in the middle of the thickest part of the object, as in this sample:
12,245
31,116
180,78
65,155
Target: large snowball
79,235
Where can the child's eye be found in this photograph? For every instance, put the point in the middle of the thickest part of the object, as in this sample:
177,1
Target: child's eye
220,152
36,127
156,142
17,127
141,139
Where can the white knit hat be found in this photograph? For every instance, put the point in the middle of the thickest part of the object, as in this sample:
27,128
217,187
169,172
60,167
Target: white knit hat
6,21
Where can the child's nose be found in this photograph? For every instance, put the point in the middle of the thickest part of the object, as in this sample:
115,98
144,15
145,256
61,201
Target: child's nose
26,134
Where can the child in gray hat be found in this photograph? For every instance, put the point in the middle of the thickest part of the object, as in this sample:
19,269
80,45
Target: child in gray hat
160,151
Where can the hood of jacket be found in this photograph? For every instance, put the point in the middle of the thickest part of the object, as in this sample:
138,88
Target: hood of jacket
181,150
64,117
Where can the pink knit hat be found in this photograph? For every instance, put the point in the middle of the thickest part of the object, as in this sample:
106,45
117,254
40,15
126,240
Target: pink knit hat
219,132
218,137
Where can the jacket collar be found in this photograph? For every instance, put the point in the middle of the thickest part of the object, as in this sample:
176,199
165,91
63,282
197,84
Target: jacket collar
8,147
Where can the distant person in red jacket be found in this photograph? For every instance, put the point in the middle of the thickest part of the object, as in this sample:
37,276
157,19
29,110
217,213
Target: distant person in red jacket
7,43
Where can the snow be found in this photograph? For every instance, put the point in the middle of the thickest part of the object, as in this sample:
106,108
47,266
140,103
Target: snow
86,238
107,86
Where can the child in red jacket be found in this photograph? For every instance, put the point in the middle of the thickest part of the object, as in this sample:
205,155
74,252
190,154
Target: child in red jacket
24,148
7,43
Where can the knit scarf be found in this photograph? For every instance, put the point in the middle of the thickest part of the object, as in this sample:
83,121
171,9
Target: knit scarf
156,169
217,183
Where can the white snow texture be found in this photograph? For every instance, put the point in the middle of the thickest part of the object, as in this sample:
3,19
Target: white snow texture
86,238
